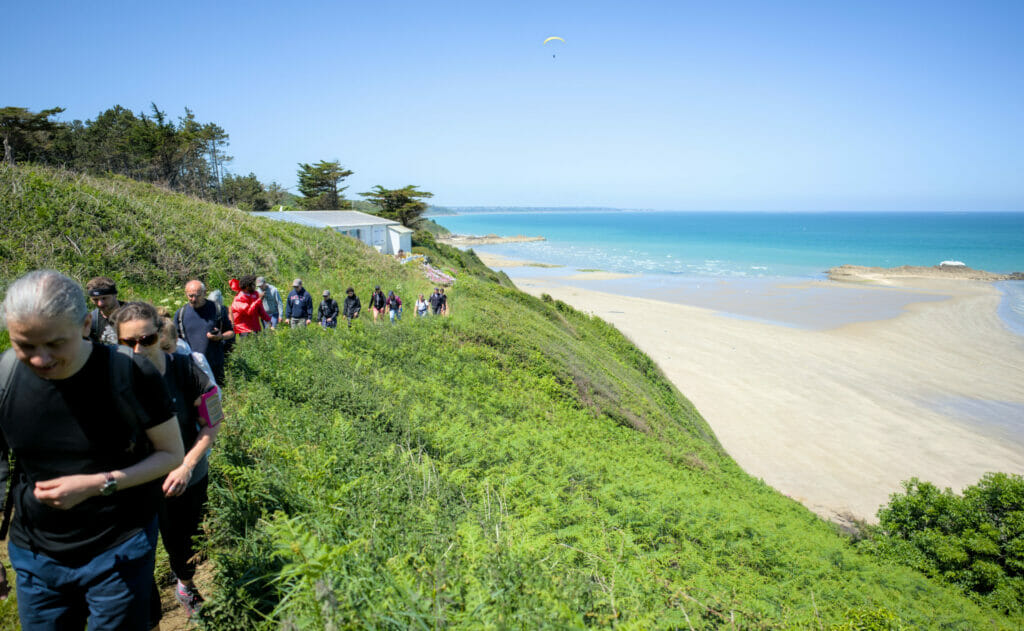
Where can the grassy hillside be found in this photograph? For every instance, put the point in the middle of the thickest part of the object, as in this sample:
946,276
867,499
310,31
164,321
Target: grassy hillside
518,464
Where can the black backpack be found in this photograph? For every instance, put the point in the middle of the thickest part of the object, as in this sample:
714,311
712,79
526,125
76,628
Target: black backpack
127,403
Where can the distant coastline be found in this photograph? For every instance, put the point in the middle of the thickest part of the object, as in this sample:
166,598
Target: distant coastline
468,240
441,211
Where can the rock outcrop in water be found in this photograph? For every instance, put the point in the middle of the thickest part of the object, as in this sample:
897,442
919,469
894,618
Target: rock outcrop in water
860,273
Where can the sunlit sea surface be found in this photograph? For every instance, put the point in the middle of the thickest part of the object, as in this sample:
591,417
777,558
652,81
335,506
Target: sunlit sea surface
747,246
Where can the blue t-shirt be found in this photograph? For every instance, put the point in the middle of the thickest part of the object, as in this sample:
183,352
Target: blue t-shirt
197,323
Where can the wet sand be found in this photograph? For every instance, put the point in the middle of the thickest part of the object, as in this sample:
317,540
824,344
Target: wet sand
924,380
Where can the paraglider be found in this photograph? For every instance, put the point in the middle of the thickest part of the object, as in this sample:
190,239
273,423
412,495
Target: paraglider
553,38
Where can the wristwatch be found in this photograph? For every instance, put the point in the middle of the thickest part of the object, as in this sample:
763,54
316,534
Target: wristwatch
109,485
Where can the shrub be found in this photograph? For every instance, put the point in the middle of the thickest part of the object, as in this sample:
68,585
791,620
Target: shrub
974,540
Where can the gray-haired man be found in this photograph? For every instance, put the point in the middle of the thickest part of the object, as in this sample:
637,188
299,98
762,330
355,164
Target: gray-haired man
206,327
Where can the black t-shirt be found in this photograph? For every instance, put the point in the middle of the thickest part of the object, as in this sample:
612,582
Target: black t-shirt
197,323
71,426
185,381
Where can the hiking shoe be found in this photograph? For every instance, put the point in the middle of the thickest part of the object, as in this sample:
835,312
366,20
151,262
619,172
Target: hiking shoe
189,598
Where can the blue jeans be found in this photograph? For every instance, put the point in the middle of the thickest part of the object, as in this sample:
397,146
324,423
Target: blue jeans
274,319
111,591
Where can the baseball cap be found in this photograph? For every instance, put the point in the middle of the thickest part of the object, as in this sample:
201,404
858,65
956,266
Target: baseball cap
296,282
260,280
327,292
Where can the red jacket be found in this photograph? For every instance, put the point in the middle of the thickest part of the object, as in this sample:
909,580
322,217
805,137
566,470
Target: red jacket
247,311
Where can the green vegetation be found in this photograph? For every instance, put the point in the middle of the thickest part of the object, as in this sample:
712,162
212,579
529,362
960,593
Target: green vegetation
24,131
432,227
974,540
186,156
404,204
516,465
320,185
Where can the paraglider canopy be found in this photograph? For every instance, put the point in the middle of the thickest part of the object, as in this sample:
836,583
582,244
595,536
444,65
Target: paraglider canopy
554,38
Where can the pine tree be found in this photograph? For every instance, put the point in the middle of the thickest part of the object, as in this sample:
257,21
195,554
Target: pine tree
320,185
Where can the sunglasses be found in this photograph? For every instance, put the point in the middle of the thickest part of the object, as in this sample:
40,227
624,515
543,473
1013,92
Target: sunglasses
145,340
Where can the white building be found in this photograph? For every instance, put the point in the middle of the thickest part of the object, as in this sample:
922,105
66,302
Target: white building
386,235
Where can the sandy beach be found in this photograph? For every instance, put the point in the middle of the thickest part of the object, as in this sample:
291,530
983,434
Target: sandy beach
837,416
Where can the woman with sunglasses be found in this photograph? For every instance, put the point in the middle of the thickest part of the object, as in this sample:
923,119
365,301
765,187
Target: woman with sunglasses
185,488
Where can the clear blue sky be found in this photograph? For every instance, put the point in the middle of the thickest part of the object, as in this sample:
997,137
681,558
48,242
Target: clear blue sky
668,105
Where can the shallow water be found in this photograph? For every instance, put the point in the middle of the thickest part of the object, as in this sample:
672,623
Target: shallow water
1004,419
791,302
1011,309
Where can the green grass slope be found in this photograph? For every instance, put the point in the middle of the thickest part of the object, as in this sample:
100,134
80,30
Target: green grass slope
516,465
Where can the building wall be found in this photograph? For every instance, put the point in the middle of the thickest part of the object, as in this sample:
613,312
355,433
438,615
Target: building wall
378,236
399,241
380,239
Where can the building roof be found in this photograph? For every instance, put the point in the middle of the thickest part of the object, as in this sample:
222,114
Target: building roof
328,218
399,228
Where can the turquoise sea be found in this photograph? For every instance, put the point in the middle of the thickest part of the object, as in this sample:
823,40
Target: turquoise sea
696,245
753,244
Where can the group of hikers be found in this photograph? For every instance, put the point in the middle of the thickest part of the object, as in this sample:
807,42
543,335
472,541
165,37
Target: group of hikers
258,304
110,415
110,418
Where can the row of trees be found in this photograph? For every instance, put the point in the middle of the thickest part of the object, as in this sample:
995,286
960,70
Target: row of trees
187,156
184,155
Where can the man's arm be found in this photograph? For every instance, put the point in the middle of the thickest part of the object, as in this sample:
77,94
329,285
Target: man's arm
224,324
227,330
280,303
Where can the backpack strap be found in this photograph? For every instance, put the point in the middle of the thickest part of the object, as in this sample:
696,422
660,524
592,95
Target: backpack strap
8,362
179,323
128,406
94,327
